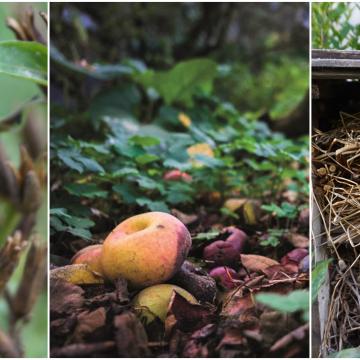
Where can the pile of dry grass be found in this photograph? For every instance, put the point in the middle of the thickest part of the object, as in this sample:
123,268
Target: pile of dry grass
336,173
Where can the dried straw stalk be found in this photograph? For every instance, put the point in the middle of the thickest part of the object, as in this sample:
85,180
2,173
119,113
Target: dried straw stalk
336,172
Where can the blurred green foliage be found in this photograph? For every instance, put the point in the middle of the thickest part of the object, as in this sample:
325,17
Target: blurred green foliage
262,49
14,93
118,164
336,25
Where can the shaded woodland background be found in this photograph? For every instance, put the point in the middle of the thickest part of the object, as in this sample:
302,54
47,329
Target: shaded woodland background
263,49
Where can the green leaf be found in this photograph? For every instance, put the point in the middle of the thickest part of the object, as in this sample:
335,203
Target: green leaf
97,71
86,190
182,81
146,159
24,59
127,192
286,210
90,164
144,140
59,212
318,276
273,237
347,353
153,205
211,235
297,300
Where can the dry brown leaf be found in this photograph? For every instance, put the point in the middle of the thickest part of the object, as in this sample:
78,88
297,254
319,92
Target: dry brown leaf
298,240
88,322
256,262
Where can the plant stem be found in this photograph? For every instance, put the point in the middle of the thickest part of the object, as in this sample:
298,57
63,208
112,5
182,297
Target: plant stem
11,219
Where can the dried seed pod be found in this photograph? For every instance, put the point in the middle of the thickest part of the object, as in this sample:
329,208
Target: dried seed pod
321,171
31,193
32,280
9,257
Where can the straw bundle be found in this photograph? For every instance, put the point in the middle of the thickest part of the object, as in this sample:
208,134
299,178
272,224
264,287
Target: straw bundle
336,174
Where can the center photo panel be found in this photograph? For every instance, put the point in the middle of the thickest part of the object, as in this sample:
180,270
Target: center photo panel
179,182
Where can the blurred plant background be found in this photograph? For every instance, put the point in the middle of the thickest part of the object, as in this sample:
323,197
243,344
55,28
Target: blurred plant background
15,93
336,25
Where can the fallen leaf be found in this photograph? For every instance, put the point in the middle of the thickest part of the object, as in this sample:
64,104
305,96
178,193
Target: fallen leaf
130,336
295,335
235,303
190,316
234,204
184,218
88,322
184,119
232,337
83,350
66,298
256,262
63,326
194,347
280,271
298,240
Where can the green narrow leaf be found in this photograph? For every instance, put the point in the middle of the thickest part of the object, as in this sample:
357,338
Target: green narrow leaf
24,59
297,300
318,277
347,353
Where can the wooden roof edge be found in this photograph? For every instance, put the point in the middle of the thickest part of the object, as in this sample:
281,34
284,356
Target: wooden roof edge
335,54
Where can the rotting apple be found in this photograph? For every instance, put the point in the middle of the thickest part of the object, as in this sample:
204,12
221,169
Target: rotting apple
224,276
226,252
153,302
90,255
146,249
177,175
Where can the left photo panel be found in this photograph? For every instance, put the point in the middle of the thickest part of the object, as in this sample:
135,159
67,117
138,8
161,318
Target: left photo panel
23,180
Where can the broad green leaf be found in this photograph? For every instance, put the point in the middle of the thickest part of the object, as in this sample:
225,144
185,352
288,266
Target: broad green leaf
98,71
146,159
295,301
144,140
153,205
211,235
87,190
318,276
24,59
347,353
182,81
127,192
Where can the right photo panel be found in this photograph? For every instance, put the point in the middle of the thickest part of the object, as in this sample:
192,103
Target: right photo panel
336,179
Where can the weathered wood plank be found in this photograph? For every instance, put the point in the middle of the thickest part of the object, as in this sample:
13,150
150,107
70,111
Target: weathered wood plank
335,54
335,64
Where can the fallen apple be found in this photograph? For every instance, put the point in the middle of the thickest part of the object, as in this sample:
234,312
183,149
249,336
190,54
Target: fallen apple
145,249
153,302
78,274
226,252
224,276
177,175
89,255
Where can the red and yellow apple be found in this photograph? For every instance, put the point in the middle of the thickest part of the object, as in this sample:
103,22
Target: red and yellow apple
145,249
90,255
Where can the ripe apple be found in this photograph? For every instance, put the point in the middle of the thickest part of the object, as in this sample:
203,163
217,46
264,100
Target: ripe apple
145,249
